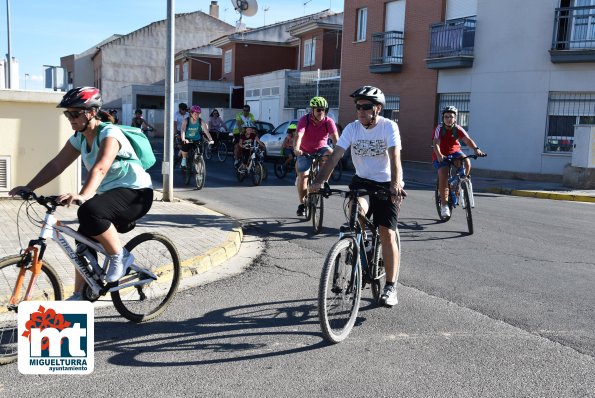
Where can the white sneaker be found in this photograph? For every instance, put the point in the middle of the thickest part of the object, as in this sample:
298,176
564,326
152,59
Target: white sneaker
444,211
389,296
118,265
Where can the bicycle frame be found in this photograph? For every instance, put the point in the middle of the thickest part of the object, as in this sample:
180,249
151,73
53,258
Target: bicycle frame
354,231
456,173
53,229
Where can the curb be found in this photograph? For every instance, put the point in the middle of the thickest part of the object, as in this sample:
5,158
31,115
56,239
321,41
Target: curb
216,255
202,263
542,194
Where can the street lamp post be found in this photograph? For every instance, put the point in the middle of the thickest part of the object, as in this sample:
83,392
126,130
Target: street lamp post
26,78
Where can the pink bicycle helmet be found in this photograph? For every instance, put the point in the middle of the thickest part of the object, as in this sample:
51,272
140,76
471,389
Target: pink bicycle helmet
195,108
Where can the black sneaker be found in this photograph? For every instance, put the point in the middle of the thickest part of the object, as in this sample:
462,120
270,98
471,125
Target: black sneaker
301,210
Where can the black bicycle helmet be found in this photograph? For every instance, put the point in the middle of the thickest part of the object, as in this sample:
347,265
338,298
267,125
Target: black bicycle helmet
450,109
370,93
82,97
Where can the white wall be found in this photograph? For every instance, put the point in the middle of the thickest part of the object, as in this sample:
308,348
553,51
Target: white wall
509,84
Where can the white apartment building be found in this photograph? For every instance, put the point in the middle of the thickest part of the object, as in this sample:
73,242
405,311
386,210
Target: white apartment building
522,73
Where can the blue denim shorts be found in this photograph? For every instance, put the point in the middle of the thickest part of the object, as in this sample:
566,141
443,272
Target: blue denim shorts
439,165
303,163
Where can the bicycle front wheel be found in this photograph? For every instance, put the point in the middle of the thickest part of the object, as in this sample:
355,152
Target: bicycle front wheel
339,291
317,210
467,205
200,171
222,152
257,175
159,256
47,287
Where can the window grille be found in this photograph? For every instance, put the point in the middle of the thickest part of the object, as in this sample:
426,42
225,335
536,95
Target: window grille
458,100
391,107
566,109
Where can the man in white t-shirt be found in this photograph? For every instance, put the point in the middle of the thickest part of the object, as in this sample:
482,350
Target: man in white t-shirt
376,154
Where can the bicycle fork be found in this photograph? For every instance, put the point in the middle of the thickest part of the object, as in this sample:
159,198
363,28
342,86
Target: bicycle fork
30,256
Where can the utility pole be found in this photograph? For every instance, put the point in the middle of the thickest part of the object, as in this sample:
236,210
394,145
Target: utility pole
9,81
167,167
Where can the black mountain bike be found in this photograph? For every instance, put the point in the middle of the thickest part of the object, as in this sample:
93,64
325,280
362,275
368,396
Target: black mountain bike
460,190
352,262
314,202
195,165
253,166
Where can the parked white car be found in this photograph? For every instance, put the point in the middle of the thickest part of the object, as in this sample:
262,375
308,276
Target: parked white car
273,141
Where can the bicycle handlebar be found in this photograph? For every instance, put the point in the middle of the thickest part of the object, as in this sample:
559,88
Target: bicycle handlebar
381,192
451,158
49,202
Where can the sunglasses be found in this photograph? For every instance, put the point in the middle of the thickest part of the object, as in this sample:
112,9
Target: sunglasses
70,115
365,107
448,116
319,109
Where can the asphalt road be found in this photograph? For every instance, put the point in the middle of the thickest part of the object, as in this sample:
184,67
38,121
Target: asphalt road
508,311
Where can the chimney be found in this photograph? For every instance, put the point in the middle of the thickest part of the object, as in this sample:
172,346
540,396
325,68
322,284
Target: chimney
214,9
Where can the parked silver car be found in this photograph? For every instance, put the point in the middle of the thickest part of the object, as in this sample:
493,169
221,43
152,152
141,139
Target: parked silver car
273,141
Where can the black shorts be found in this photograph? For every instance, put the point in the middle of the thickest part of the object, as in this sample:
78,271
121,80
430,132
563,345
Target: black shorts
119,206
382,210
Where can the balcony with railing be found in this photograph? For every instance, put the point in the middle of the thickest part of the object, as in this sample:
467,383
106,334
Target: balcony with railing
451,44
387,52
574,35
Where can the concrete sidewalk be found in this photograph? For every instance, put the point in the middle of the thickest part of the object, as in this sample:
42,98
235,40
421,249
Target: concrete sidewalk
424,174
204,238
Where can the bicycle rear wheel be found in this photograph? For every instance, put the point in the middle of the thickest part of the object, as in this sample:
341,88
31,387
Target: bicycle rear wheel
280,169
317,210
206,150
187,171
337,171
158,255
439,204
467,205
222,152
378,272
47,288
200,171
339,291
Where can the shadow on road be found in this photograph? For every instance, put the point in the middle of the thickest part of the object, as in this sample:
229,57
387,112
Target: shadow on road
247,332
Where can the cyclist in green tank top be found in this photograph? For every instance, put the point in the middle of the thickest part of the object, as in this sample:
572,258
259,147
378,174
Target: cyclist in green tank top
192,129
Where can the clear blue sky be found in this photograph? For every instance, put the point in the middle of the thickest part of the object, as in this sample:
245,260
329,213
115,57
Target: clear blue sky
42,31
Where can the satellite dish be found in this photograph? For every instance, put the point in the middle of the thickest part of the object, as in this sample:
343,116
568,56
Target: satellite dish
245,7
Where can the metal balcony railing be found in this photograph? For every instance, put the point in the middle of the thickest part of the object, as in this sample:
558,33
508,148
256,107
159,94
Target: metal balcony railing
453,38
574,28
387,48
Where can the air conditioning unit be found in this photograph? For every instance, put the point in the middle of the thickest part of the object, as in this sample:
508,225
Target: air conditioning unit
5,174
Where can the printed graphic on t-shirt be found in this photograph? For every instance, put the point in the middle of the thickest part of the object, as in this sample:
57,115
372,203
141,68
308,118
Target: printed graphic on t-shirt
369,148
